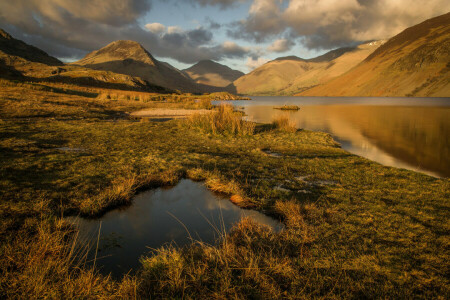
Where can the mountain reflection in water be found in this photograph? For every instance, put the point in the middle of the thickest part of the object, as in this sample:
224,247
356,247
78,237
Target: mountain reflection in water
414,137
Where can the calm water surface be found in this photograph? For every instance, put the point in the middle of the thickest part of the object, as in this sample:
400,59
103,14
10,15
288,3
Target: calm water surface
411,133
158,217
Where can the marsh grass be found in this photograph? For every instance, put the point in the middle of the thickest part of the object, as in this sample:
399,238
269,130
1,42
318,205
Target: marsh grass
51,265
222,121
376,232
284,123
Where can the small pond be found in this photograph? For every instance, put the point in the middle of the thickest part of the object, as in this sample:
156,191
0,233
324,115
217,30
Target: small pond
159,217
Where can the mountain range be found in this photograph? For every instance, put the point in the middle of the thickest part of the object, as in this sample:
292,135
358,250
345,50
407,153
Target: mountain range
415,62
288,75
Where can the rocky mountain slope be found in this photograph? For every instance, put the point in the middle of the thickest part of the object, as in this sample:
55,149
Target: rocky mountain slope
130,58
208,72
289,75
415,62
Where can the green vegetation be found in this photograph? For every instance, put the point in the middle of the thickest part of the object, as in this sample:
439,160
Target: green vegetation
354,228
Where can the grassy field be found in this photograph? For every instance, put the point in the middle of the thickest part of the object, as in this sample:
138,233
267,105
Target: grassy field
354,228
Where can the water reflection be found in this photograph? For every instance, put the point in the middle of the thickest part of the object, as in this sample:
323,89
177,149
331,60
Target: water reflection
162,216
400,132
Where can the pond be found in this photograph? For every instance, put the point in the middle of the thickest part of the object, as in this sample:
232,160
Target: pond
411,133
159,217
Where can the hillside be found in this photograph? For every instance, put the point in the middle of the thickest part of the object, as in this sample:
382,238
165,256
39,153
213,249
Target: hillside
415,62
21,61
210,73
289,75
130,58
13,47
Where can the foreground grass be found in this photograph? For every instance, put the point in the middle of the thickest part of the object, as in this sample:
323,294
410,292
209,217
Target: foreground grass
354,228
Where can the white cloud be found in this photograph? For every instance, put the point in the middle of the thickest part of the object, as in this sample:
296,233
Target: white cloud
174,29
156,28
330,23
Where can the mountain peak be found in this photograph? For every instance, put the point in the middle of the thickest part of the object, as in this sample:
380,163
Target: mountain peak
120,50
212,73
291,57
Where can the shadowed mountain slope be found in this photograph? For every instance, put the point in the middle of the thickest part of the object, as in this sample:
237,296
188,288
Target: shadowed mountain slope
291,74
210,73
415,62
13,47
129,57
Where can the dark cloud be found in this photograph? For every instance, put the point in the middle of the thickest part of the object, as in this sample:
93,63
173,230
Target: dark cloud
199,36
70,29
325,24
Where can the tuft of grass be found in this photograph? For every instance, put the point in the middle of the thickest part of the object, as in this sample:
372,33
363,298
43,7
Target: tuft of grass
222,121
284,123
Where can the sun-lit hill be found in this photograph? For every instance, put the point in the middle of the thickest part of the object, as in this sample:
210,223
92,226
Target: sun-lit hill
21,61
210,73
415,62
130,58
289,75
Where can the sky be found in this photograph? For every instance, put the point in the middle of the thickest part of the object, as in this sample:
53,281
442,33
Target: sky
242,34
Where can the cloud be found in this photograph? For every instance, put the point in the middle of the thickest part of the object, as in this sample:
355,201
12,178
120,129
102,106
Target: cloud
264,20
221,3
156,28
281,45
60,28
324,24
253,63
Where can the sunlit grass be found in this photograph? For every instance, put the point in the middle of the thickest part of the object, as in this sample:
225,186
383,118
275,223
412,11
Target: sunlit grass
371,231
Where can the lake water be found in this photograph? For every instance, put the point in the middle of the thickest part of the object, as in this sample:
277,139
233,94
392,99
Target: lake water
411,133
158,217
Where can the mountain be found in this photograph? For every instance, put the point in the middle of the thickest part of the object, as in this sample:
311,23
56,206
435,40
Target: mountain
130,58
208,72
10,46
21,61
415,62
291,74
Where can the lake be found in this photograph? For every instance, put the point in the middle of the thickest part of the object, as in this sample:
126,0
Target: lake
411,133
160,217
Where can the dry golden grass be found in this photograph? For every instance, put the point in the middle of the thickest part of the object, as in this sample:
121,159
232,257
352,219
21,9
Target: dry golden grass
284,123
222,121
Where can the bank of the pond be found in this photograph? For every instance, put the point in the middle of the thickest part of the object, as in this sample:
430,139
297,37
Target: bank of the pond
180,215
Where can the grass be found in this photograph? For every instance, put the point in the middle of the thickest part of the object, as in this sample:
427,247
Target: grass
374,232
222,121
284,123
